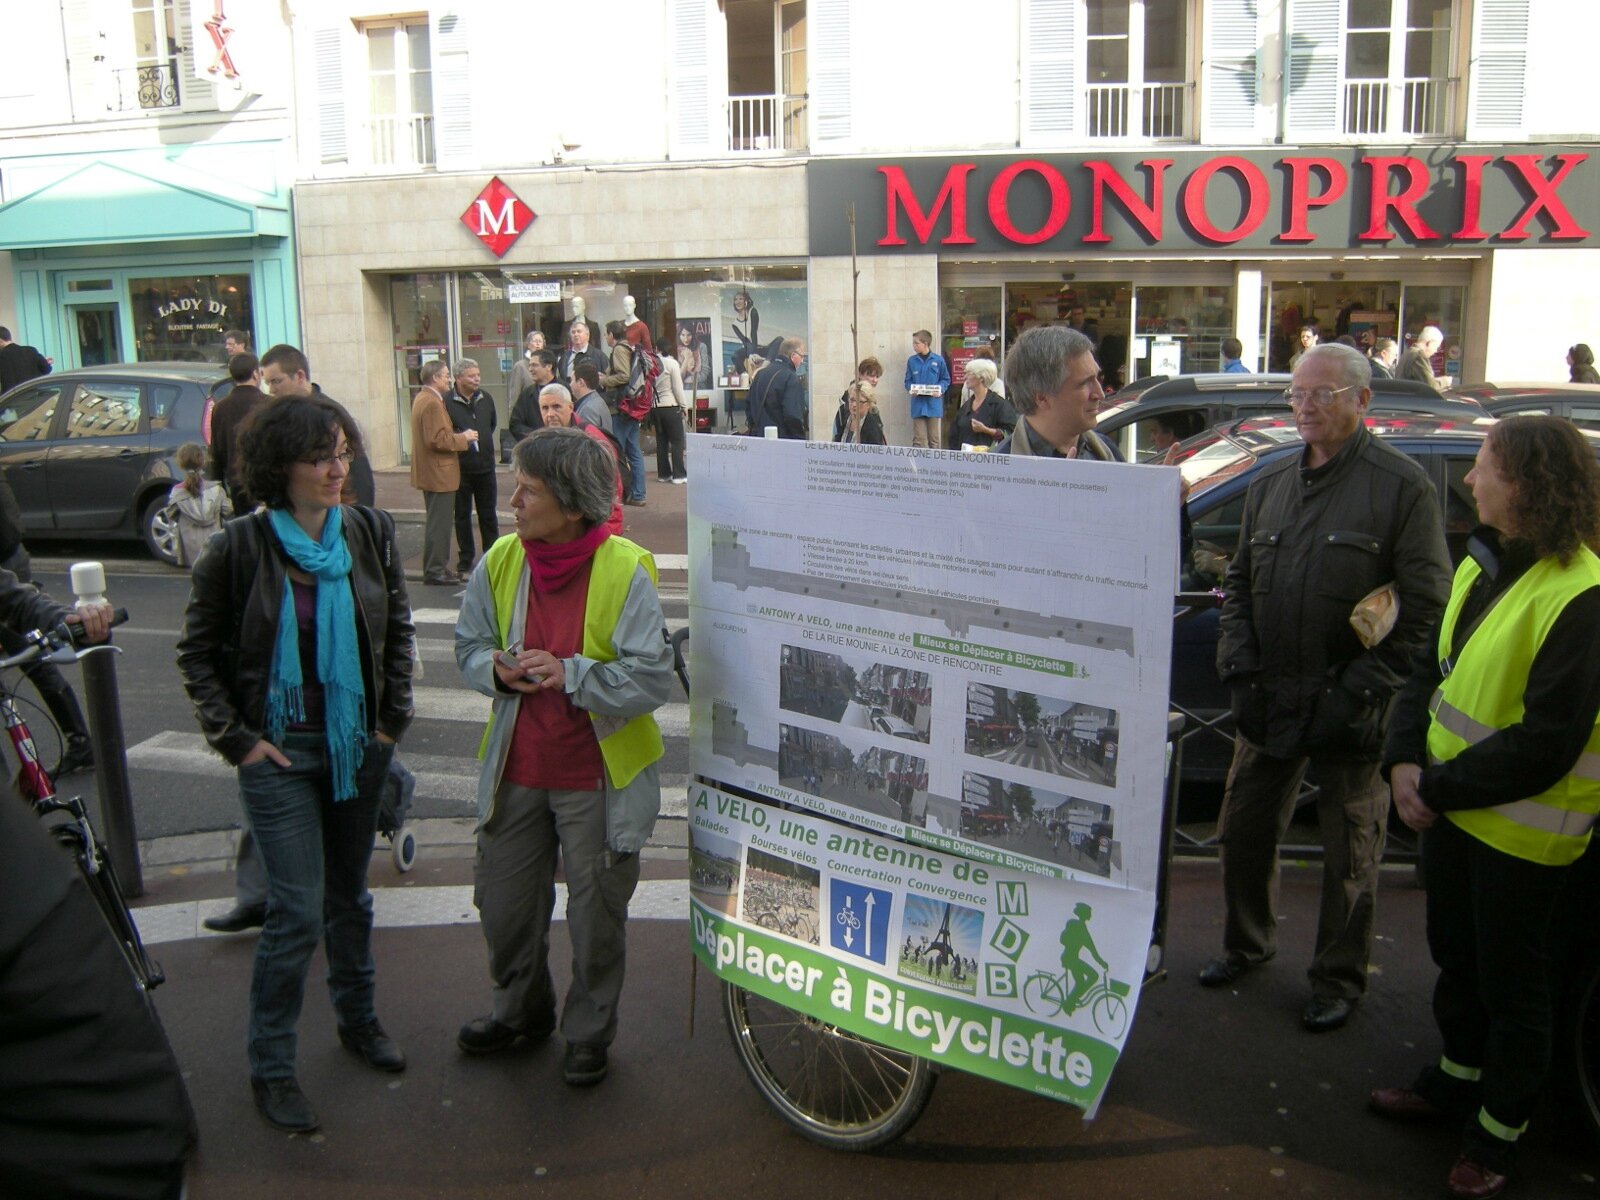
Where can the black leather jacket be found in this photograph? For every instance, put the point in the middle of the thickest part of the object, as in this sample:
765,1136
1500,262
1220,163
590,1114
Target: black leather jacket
231,626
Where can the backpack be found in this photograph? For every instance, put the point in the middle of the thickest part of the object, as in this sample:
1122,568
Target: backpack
639,393
624,466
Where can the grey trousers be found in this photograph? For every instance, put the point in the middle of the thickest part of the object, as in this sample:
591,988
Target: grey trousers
439,509
1352,815
514,890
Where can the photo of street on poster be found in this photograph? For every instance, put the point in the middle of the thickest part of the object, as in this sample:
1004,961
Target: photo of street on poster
966,651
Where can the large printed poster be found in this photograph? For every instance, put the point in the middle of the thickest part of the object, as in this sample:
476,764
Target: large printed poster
965,658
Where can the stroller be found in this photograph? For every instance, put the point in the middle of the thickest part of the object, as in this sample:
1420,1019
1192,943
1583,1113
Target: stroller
398,789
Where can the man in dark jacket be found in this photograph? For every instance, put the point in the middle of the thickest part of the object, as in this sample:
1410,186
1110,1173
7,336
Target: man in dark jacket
227,418
18,364
1053,382
580,351
470,407
1320,531
777,395
525,414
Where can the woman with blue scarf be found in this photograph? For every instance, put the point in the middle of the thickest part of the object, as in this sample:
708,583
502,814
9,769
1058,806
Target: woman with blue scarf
296,653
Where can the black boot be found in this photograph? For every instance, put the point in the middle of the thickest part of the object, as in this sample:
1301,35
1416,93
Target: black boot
78,755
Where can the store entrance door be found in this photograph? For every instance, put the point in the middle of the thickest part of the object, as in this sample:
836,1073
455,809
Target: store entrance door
1365,310
98,334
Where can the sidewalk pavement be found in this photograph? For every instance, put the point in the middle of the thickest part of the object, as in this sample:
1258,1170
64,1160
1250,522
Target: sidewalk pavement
1218,1094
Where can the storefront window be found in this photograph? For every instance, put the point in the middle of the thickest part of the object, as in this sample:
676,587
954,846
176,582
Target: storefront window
182,318
1180,330
713,317
969,321
419,305
1104,311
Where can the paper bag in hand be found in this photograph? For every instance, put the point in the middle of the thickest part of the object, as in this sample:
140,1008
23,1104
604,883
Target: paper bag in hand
1374,615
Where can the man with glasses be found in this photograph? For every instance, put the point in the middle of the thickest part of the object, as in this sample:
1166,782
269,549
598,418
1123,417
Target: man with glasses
1320,532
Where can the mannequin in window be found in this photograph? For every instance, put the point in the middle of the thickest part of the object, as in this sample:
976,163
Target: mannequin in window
638,333
580,314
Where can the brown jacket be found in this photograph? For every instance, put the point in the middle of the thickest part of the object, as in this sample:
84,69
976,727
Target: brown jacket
435,446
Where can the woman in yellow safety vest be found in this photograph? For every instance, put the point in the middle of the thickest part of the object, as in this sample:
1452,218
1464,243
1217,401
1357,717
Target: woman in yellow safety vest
1503,709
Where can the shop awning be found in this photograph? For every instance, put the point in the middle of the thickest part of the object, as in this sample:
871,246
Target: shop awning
104,203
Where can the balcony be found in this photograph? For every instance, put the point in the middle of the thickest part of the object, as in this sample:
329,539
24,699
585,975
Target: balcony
154,86
400,140
1161,113
766,124
1399,108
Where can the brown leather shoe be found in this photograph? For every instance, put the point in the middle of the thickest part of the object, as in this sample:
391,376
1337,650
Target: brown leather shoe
1473,1181
1401,1104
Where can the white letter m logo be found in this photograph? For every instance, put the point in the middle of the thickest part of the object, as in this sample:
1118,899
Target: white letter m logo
506,222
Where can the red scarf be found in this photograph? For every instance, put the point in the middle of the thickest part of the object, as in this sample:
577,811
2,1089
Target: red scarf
555,564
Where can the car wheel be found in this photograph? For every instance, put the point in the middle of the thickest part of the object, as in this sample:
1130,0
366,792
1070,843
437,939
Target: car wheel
159,530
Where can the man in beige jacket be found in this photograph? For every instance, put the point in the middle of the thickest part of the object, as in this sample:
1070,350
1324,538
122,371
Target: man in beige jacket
436,470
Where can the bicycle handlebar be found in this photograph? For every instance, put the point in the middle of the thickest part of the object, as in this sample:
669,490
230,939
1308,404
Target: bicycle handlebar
58,644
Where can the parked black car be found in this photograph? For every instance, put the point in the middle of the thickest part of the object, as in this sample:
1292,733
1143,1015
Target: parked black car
1578,402
90,452
1191,403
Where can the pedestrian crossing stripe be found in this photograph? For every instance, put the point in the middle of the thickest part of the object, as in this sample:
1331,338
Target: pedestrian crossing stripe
407,907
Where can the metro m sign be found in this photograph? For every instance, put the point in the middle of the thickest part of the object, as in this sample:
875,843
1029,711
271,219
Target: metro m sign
497,217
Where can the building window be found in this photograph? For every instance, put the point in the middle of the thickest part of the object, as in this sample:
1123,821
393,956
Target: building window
153,81
1397,68
400,93
766,75
1137,78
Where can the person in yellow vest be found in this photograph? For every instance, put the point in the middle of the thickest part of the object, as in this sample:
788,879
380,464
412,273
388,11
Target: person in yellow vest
1494,757
561,625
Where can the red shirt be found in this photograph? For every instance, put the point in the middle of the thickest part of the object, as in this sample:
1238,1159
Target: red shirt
553,745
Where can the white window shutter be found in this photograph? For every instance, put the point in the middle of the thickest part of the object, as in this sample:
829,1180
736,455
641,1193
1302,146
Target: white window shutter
1499,69
830,83
333,121
452,93
1315,78
1050,71
196,92
694,109
1228,78
92,55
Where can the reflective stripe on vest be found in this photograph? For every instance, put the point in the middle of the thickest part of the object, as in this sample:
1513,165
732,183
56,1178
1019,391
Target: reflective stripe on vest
1482,694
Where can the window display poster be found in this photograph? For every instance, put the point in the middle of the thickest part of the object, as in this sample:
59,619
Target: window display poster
694,351
868,650
756,318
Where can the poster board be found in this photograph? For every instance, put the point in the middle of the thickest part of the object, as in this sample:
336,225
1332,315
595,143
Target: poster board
946,659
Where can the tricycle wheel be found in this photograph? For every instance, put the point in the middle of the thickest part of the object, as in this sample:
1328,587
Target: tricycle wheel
834,1087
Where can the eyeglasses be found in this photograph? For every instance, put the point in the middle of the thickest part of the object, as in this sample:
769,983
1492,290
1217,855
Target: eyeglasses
1321,397
347,457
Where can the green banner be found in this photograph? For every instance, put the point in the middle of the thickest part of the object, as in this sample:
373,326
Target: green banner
1005,1047
978,652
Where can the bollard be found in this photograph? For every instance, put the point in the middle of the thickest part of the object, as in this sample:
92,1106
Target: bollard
104,710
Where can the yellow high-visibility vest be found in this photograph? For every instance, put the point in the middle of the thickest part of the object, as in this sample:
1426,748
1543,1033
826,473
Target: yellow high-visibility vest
1482,694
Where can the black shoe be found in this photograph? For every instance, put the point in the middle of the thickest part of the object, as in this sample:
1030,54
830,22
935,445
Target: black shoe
1220,972
1326,1013
485,1035
442,579
283,1104
77,755
373,1046
238,918
584,1065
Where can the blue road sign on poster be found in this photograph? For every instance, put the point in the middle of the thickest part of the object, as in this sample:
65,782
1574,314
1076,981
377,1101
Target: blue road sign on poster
858,921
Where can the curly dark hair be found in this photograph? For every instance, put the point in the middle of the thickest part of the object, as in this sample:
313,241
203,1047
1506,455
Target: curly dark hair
283,432
1556,508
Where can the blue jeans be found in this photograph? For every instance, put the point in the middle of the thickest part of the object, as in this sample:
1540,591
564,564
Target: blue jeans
627,431
315,852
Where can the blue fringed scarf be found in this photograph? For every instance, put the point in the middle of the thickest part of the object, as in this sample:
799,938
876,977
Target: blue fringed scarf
338,648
